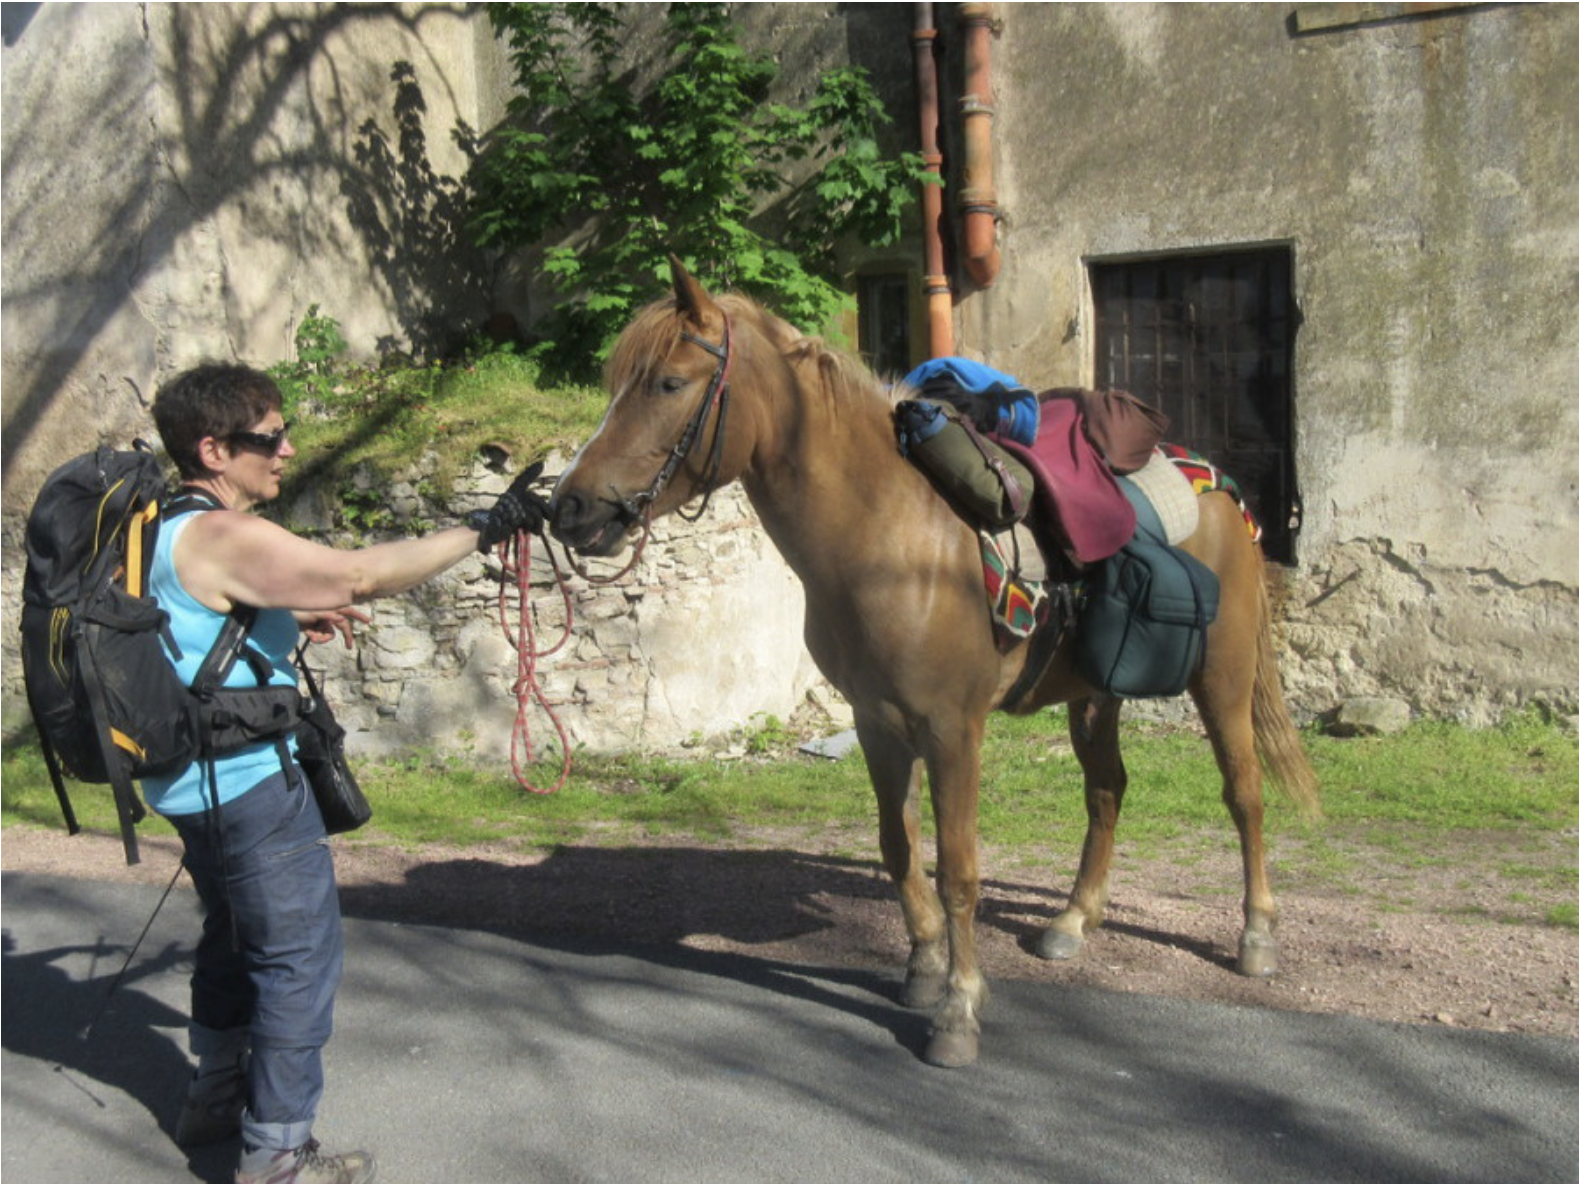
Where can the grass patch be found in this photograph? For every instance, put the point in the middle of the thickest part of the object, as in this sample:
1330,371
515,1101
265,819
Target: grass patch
360,428
1562,916
1398,800
609,800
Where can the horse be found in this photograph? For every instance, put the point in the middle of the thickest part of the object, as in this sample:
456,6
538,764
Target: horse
705,391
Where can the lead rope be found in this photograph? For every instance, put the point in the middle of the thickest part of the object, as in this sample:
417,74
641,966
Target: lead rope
516,554
516,559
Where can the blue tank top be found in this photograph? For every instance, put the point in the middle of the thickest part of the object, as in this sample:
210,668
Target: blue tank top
194,628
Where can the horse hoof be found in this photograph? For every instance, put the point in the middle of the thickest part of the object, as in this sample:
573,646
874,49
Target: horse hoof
1259,957
923,990
951,1050
1055,946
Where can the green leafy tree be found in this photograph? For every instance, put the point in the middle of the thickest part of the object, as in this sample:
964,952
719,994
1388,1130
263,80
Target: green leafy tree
700,164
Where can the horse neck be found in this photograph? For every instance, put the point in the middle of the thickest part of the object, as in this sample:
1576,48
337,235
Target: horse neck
821,471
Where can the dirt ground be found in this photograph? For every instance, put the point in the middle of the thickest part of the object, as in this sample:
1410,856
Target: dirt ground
1458,941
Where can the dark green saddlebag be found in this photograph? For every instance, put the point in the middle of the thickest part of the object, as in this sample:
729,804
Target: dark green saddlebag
1145,614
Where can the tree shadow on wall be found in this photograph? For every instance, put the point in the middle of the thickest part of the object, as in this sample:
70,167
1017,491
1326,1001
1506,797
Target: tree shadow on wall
413,220
253,106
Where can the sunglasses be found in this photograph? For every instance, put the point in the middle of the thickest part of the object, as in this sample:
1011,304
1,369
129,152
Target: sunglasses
269,442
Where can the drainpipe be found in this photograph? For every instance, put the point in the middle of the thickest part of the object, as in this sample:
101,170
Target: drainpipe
936,284
978,207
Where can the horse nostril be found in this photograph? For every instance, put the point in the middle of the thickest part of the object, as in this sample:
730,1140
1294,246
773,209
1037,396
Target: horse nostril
566,510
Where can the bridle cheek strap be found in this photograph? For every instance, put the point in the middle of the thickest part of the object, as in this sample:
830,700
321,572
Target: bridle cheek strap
719,389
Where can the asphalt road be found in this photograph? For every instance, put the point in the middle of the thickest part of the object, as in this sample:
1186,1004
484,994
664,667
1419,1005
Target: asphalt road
467,1056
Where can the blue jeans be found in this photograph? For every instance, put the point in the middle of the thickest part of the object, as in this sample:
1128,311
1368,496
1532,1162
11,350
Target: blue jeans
269,960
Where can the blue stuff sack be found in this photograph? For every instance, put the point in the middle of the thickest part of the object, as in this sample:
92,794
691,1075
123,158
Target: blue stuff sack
1145,614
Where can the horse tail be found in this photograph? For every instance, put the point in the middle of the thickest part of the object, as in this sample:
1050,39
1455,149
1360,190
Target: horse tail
1279,746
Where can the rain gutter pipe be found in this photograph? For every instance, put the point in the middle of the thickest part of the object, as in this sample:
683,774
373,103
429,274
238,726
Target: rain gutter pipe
979,208
936,284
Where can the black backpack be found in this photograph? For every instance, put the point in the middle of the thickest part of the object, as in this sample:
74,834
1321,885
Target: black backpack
107,701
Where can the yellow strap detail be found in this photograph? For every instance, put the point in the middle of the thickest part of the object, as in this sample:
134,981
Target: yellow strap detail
59,623
134,547
98,521
127,744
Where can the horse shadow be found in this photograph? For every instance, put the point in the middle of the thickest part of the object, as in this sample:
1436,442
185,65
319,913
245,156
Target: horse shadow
689,909
102,1033
764,917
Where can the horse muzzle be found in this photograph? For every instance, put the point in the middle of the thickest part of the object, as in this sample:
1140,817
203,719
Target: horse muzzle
593,526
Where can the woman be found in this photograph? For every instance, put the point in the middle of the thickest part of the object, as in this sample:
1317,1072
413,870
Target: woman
269,961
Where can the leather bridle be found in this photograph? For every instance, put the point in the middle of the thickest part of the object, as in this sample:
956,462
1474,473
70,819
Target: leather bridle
638,506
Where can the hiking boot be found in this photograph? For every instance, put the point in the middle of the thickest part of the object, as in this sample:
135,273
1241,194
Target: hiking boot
211,1112
308,1165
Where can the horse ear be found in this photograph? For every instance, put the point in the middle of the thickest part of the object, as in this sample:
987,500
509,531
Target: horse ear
692,301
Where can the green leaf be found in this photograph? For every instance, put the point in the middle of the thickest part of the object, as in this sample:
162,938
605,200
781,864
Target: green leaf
606,180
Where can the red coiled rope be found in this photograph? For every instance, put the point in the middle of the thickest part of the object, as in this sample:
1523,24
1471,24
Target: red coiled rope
516,557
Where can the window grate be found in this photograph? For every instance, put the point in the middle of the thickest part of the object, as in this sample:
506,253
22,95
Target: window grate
1209,340
884,323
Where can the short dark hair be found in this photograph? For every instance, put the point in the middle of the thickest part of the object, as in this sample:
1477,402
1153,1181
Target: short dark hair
214,399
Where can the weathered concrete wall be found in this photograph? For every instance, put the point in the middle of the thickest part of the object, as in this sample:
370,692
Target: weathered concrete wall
1424,172
182,181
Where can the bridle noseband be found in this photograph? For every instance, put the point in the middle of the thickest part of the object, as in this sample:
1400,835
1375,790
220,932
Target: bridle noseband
639,505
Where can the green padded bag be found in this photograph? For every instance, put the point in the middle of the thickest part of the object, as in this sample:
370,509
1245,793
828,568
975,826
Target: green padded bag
1145,614
985,484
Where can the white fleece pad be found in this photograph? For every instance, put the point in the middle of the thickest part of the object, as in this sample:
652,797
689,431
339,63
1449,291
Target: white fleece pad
1171,494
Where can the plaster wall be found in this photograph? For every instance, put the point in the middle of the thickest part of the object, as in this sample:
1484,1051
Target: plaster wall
1424,174
183,181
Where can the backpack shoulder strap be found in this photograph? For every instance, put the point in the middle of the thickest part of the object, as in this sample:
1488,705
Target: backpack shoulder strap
189,498
230,645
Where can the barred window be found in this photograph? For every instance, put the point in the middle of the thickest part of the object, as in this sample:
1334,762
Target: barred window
1209,340
884,323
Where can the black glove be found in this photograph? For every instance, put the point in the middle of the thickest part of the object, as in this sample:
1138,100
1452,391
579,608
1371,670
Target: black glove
518,509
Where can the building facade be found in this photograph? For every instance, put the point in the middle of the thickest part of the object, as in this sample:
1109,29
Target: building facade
1337,243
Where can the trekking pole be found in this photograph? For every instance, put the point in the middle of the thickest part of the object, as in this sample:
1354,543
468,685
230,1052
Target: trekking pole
125,966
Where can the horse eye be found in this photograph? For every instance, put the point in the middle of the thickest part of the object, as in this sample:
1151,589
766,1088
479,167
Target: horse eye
671,384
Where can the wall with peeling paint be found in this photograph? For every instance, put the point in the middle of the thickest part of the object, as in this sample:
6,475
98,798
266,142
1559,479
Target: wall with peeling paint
183,181
1424,172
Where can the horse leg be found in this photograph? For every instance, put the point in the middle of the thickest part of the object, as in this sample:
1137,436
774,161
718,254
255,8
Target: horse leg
896,775
1095,735
1230,731
953,772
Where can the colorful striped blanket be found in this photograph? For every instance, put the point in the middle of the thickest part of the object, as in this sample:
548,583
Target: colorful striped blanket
1206,478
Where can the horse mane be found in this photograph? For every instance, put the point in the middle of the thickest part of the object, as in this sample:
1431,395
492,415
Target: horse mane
649,336
842,374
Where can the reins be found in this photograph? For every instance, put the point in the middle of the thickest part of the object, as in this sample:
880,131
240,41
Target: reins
516,558
516,554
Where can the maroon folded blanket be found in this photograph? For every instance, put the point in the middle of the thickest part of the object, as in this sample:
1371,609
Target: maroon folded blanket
1084,438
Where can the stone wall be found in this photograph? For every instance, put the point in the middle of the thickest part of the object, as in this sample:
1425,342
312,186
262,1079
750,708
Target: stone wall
701,640
184,181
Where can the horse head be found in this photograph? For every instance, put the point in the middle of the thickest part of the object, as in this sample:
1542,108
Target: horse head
666,437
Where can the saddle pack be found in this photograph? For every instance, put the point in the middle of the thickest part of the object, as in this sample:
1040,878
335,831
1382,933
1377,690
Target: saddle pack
983,482
105,696
1092,467
1145,612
